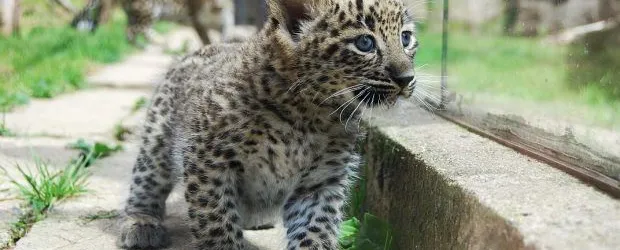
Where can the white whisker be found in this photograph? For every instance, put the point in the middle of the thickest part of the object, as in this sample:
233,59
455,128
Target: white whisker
343,91
353,113
351,101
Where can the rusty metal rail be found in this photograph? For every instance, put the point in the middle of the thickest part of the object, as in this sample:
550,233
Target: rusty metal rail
548,156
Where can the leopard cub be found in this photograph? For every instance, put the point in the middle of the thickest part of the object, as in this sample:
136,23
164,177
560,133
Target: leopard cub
264,131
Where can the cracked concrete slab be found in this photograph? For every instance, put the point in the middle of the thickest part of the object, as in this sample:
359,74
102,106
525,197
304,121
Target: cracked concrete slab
9,214
87,113
22,152
142,70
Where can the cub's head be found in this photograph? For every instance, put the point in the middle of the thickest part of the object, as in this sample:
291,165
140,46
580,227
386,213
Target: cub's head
344,51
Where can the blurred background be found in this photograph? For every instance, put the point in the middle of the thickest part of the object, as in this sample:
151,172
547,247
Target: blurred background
43,53
544,74
539,50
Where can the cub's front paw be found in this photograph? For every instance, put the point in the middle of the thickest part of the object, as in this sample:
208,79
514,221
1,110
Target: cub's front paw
142,232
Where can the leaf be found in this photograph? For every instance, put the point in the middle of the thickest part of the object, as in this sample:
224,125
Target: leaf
89,153
139,104
374,234
348,232
103,150
81,145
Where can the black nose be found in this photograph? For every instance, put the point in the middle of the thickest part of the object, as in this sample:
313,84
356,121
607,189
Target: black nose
403,81
400,76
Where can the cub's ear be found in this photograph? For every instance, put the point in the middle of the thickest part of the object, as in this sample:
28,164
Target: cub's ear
291,13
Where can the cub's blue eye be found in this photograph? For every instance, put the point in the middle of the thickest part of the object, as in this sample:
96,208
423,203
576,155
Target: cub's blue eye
405,37
365,43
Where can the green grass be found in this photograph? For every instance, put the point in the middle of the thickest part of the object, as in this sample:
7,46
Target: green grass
121,131
45,61
139,104
46,187
48,57
42,190
4,131
504,65
48,61
595,66
527,69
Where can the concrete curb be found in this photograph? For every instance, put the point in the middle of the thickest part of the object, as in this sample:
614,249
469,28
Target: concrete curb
442,187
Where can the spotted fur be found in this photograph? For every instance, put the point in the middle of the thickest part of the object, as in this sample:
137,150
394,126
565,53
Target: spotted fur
261,132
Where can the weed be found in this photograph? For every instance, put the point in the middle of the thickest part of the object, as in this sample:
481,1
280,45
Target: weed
4,131
42,190
349,230
22,226
370,234
46,187
121,132
90,152
363,231
139,104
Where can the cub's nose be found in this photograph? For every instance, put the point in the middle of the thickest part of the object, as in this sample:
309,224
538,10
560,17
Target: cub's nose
404,80
402,76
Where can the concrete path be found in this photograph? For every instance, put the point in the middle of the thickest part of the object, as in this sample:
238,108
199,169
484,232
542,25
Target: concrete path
87,113
45,127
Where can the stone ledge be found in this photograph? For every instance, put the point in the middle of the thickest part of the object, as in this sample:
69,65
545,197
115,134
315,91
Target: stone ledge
442,187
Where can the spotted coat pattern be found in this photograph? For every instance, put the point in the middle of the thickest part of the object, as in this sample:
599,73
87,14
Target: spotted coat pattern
265,131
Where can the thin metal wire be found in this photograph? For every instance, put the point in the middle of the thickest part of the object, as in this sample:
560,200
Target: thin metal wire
444,55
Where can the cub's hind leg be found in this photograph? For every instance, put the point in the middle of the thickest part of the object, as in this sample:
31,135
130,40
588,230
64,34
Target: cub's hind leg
152,181
214,217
